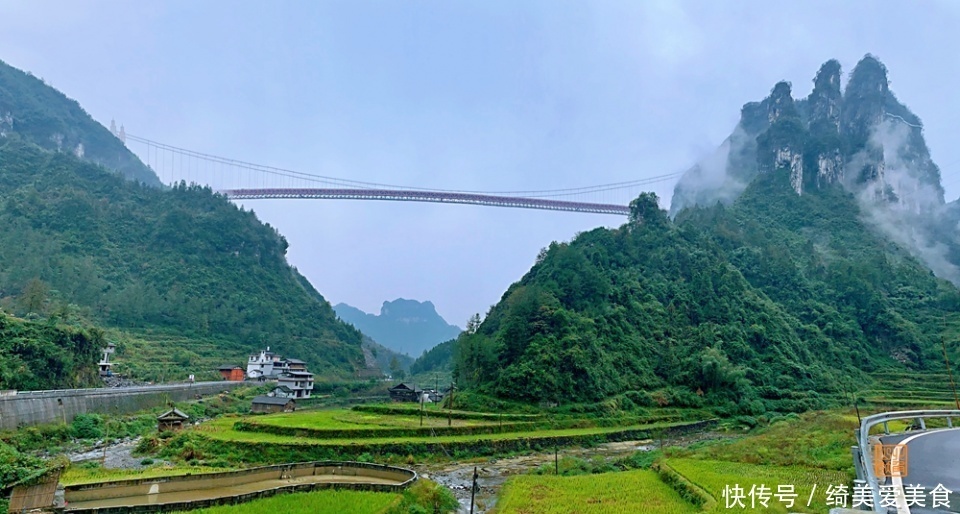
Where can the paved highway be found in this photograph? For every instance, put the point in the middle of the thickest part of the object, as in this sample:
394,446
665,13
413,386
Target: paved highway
933,458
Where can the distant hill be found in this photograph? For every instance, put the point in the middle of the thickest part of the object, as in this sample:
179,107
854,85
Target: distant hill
183,265
384,359
405,326
438,358
41,115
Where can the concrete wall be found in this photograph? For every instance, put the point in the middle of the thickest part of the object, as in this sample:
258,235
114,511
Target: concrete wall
217,482
60,406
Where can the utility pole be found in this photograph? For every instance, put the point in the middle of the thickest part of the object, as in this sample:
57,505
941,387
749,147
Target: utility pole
473,490
421,407
953,384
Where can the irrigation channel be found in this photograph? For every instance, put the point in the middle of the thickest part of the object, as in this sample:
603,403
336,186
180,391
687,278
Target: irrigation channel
187,492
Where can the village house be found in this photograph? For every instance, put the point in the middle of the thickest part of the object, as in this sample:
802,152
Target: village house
265,366
174,419
289,372
405,393
299,382
269,404
232,373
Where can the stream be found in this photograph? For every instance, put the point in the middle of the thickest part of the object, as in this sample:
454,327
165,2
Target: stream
493,472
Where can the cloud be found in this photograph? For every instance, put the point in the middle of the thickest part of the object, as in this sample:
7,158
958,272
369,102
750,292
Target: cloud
900,201
709,181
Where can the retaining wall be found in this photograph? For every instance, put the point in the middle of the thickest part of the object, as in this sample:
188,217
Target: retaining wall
61,406
217,481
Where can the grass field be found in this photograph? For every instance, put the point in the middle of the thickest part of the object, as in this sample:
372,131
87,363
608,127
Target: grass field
319,502
820,439
714,476
80,474
623,492
352,419
222,429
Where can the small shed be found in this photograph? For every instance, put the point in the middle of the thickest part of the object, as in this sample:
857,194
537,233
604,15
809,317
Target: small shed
267,404
39,497
173,419
405,393
282,391
232,373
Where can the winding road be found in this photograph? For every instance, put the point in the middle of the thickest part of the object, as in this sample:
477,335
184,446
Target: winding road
933,458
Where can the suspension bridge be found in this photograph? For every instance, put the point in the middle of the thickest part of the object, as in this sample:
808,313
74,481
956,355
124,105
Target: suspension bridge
241,180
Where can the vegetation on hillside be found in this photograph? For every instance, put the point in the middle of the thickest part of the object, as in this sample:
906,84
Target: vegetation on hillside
438,358
747,308
82,242
45,355
40,114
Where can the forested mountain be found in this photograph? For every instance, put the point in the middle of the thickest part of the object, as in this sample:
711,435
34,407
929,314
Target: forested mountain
47,118
82,241
786,273
405,326
438,358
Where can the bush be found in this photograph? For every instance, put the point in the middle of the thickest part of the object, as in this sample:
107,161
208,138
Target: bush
426,497
146,462
87,426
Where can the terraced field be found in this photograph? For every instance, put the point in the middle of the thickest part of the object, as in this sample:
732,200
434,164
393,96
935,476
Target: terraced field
790,488
318,502
900,390
223,429
623,492
357,419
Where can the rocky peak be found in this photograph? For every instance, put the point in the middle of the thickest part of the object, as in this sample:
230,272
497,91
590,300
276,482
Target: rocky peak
859,137
780,103
825,100
864,100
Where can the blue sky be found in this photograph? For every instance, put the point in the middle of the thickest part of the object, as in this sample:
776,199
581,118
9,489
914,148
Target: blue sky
464,95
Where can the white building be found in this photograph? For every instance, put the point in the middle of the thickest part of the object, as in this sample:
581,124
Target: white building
299,383
265,365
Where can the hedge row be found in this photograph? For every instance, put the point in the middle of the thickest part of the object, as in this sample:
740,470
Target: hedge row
485,416
685,488
362,433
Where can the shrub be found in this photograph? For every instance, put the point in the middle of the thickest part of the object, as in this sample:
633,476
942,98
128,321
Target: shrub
426,497
87,426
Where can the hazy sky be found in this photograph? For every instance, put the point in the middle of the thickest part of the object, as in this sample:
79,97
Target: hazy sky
464,95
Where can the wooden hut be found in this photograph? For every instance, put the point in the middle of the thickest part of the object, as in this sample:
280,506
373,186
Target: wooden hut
173,419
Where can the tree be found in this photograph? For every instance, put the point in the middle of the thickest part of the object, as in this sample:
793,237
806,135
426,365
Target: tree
473,324
396,369
34,296
645,209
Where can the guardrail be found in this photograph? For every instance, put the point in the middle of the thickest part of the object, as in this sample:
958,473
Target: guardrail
863,457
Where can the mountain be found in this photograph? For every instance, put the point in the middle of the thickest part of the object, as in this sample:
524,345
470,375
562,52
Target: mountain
41,115
785,276
405,326
81,241
381,359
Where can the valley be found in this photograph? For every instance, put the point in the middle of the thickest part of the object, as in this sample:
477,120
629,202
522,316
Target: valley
775,328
